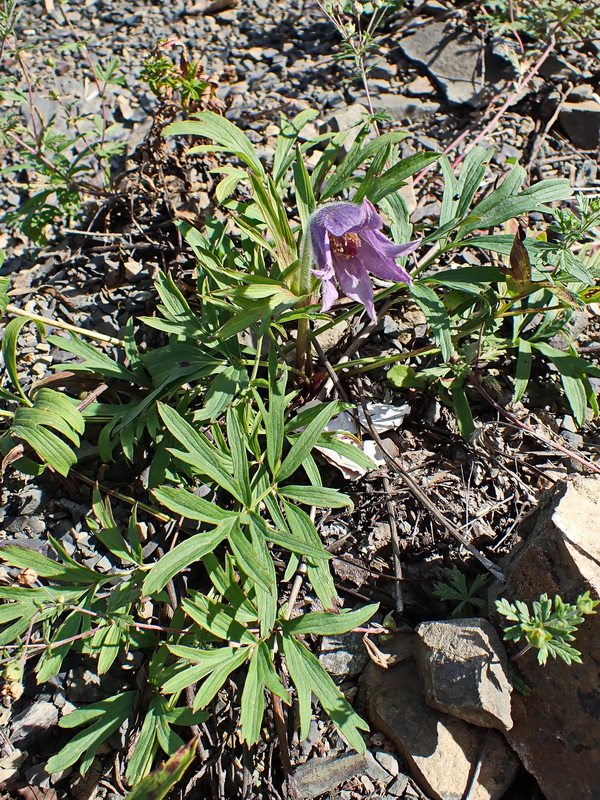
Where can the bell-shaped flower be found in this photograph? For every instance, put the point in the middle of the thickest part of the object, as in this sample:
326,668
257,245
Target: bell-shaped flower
347,243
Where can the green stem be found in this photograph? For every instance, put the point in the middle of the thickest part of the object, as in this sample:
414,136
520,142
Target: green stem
301,286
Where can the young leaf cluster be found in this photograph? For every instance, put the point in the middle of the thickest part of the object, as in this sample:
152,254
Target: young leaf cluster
457,590
548,626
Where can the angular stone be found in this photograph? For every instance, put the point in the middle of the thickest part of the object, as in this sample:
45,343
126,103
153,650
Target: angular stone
388,761
556,729
319,775
32,722
441,751
348,118
463,669
419,86
401,108
581,122
344,655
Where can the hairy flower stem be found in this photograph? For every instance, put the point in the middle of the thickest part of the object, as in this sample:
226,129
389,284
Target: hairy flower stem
56,323
301,286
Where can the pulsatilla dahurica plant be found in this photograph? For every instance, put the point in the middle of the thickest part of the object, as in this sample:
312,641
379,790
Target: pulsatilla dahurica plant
213,416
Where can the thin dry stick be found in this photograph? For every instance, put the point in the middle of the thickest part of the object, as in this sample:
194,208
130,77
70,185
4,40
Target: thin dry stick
520,86
391,510
99,89
92,396
541,138
333,378
286,761
365,333
509,100
299,576
564,450
120,496
427,502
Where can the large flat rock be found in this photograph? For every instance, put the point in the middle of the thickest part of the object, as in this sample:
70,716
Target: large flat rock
440,750
463,669
556,729
455,59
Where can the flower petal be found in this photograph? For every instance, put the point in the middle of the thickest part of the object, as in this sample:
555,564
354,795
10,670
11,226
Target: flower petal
371,221
329,293
355,283
319,240
337,219
377,254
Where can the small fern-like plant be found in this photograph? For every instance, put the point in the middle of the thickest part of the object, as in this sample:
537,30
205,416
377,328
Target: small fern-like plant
549,627
456,590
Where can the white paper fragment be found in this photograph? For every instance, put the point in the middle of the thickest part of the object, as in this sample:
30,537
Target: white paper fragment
384,416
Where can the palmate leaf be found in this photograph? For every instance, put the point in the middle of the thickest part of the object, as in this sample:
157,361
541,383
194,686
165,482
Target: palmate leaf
10,340
279,536
223,389
261,674
184,554
147,744
343,176
178,316
108,532
105,717
61,405
226,582
222,662
251,561
188,505
286,142
27,614
325,623
305,198
265,597
108,641
273,212
47,445
200,453
305,442
531,199
219,620
51,661
395,177
373,175
573,374
274,418
306,534
50,410
70,572
315,496
228,137
239,456
94,360
309,677
353,452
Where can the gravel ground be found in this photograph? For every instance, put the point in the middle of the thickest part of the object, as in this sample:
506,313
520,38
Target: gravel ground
266,57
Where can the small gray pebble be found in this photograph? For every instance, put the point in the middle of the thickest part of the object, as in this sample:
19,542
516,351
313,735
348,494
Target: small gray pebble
388,761
398,787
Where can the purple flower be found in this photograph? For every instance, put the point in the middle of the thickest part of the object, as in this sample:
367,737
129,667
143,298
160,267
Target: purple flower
347,241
